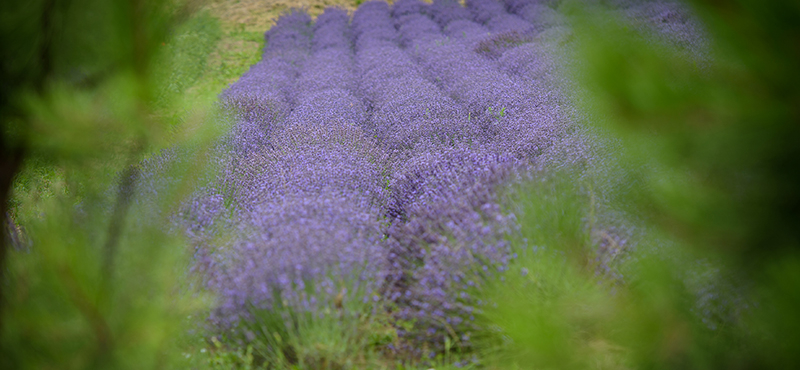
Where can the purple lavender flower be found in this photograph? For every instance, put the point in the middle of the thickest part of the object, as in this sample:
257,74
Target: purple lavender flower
365,158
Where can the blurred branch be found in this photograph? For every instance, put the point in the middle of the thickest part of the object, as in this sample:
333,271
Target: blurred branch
125,194
88,310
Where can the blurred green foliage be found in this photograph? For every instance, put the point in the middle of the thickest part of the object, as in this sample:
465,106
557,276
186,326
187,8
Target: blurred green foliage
92,278
714,136
708,171
183,60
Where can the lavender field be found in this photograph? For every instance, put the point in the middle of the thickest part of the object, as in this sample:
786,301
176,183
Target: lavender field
369,156
483,184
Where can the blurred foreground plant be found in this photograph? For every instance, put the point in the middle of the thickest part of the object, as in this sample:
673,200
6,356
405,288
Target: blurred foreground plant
708,169
94,279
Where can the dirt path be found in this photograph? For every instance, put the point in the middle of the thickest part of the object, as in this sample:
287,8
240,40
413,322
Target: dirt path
259,15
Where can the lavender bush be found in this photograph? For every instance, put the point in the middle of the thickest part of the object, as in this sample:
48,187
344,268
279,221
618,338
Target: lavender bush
367,164
364,164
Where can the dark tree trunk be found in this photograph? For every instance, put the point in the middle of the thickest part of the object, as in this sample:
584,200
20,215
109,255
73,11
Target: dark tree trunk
10,161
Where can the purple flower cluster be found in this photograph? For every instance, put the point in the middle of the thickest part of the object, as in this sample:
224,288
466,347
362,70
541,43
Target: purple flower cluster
263,95
372,25
541,14
445,12
306,196
493,14
447,227
447,230
670,21
521,116
364,163
366,156
408,112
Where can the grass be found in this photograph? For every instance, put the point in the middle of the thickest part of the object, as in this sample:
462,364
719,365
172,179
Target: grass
243,24
220,45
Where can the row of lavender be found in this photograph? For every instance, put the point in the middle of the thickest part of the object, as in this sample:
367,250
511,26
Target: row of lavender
366,156
445,221
305,181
